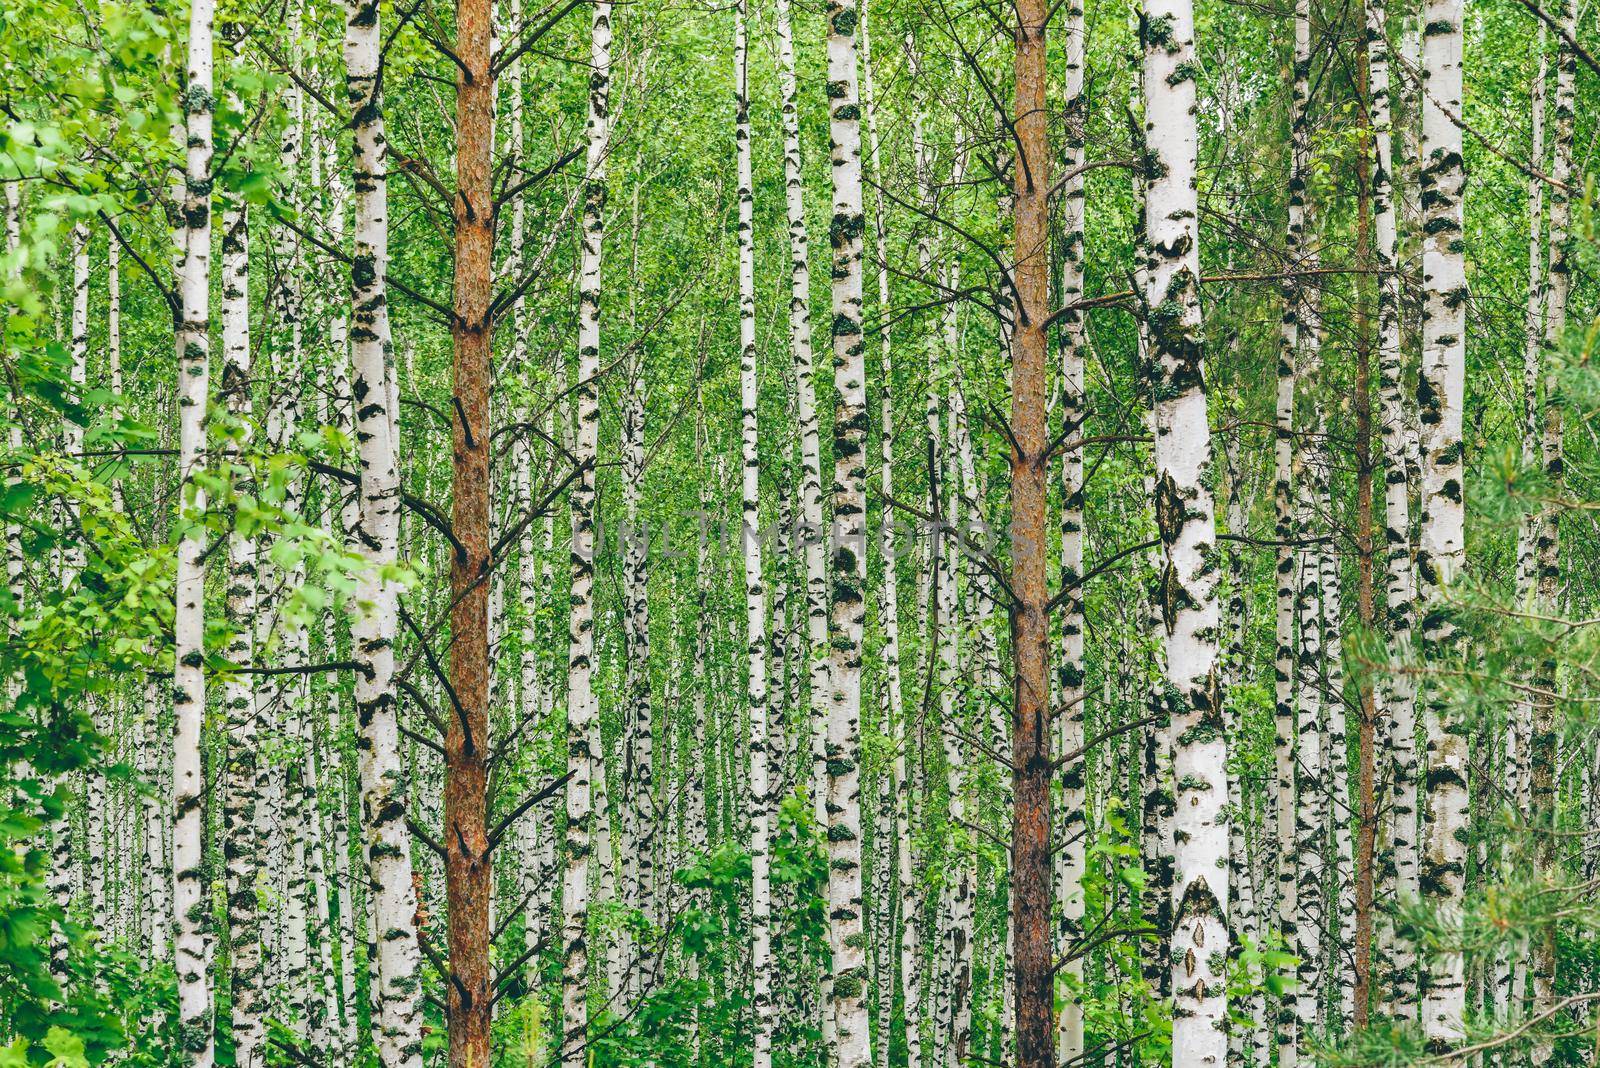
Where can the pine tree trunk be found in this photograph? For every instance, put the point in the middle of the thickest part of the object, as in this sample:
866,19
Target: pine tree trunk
1187,529
467,864
1032,771
1441,555
393,951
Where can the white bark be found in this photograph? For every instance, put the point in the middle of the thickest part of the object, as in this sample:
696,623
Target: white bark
904,949
755,596
1396,690
288,693
16,560
1247,1044
245,726
639,812
340,414
190,906
1187,528
1341,941
1311,802
582,707
800,347
1073,835
847,549
392,907
970,605
1441,554
157,862
1545,735
1284,667
63,869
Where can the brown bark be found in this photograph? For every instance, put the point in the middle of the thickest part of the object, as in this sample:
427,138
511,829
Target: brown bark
1366,830
1032,886
467,865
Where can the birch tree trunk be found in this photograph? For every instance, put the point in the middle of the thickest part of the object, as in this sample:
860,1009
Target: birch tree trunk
953,1026
1187,529
394,953
341,415
1511,975
1284,670
72,558
64,872
1311,800
1072,839
905,946
246,729
800,347
1545,736
1247,1045
638,761
1441,554
846,936
582,708
1397,691
755,596
1340,897
191,929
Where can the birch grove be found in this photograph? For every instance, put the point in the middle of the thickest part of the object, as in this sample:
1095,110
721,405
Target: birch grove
453,616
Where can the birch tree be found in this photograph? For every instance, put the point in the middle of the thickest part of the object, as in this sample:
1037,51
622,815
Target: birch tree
1071,694
191,934
1441,552
245,725
391,900
1397,694
1543,739
1187,528
581,705
755,593
847,568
